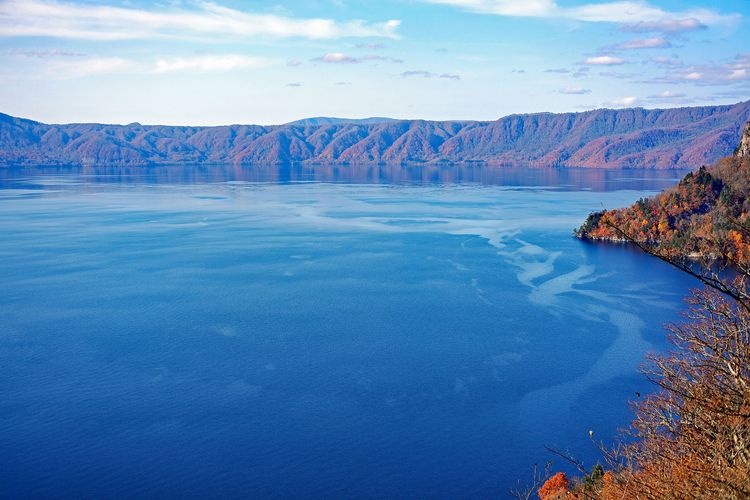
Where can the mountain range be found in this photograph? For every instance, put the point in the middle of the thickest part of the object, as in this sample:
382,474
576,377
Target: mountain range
627,138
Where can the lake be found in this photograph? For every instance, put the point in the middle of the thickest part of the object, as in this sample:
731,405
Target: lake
327,332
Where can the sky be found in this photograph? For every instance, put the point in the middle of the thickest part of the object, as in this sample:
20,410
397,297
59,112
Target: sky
199,62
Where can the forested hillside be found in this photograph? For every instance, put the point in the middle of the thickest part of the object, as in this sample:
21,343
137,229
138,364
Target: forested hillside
708,212
624,138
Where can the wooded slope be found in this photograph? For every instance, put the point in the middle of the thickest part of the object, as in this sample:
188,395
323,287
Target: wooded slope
627,138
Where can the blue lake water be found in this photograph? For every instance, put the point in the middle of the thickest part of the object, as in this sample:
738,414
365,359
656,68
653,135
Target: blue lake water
291,332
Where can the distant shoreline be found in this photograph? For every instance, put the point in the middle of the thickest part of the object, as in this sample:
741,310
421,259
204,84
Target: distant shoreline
677,138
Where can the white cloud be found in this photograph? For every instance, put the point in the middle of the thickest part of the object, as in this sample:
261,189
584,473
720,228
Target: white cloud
667,94
625,102
341,58
730,73
665,26
637,15
519,8
643,43
372,57
426,74
209,63
88,66
666,62
47,18
603,61
371,46
417,72
619,75
63,68
337,58
43,54
575,91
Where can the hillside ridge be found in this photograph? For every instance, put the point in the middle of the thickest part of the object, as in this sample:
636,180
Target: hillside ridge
626,138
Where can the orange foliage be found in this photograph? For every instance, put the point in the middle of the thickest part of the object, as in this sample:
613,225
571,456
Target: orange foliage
610,489
739,248
692,438
556,487
706,214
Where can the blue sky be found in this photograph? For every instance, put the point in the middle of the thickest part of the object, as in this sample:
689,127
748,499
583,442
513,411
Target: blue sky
229,61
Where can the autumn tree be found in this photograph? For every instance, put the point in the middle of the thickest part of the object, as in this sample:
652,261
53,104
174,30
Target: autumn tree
555,488
691,438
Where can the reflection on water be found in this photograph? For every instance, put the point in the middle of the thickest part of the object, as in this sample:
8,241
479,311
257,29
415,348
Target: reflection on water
559,178
241,332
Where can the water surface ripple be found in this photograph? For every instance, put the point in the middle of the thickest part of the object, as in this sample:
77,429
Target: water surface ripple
370,332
